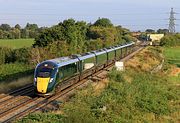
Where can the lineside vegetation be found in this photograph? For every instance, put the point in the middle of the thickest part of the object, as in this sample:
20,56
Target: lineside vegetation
135,95
170,40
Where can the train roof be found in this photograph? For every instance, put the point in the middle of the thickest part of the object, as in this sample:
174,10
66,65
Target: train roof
62,61
127,44
86,56
109,49
99,52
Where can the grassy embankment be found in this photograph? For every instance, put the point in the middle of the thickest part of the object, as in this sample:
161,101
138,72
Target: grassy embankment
16,43
135,95
172,55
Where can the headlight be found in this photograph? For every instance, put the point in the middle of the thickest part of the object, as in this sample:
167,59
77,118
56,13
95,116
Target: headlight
35,81
50,80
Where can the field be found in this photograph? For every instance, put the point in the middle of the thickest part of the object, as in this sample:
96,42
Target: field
173,55
16,43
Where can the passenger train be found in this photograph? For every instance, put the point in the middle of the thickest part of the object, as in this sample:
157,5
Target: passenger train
66,71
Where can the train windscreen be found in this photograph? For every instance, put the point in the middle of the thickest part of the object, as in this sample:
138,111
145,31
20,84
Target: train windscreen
44,72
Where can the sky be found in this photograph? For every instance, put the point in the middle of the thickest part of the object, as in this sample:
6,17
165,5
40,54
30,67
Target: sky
132,14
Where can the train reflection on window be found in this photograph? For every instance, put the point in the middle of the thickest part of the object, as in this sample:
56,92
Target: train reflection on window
44,72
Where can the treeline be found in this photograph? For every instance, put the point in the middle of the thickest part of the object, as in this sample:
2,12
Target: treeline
170,40
79,36
159,31
67,38
17,32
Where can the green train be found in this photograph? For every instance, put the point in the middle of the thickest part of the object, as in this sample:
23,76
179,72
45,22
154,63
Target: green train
66,71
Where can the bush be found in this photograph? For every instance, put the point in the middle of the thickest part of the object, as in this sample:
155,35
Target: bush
22,55
6,55
116,76
14,70
170,40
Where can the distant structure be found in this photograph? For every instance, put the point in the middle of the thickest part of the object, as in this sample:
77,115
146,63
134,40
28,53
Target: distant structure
136,34
155,37
172,21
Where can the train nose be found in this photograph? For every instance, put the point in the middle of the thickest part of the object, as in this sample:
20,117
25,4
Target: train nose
42,84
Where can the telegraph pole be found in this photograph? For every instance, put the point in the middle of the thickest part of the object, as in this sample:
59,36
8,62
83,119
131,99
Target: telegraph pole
172,21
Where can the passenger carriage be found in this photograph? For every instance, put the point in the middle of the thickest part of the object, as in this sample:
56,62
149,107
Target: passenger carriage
66,71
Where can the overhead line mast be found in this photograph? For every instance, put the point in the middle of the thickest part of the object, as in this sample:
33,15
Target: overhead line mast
172,24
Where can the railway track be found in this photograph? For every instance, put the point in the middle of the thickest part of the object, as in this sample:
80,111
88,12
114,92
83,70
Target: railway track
21,102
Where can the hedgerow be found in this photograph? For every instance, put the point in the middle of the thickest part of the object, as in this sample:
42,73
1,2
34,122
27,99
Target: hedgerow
14,70
170,40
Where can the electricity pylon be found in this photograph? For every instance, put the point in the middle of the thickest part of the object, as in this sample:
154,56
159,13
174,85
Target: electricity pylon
172,21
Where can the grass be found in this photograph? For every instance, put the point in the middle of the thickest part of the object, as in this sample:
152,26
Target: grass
130,96
172,54
16,43
43,118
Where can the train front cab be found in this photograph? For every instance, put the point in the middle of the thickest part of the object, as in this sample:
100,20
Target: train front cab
45,78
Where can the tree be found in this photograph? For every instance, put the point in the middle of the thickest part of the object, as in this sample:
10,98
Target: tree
162,31
81,27
150,31
24,33
6,35
103,22
17,26
48,36
74,33
1,34
31,26
32,30
15,33
5,27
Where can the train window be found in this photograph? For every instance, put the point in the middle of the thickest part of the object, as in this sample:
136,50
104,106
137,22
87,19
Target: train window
70,69
44,72
45,69
88,63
